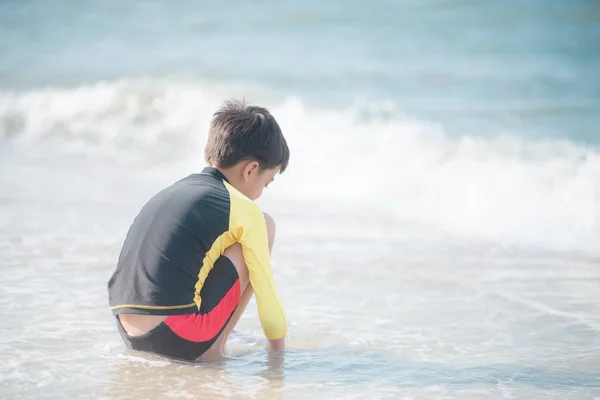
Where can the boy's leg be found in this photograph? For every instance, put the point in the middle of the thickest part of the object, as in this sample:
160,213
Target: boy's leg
234,253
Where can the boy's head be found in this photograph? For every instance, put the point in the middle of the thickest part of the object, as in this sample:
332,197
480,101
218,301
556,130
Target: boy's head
246,144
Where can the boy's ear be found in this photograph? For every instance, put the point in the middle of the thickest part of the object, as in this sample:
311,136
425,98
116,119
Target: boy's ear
251,168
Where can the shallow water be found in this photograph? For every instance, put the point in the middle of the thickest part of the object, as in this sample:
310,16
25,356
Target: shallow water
438,238
373,311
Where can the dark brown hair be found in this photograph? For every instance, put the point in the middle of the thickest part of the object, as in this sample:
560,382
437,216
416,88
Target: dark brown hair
240,132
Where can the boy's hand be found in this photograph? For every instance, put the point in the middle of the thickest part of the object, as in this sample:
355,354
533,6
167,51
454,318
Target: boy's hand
276,345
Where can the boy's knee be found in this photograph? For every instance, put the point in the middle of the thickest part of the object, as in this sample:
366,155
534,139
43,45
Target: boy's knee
270,228
235,255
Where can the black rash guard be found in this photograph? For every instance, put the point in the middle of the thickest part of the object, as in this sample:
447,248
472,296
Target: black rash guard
174,242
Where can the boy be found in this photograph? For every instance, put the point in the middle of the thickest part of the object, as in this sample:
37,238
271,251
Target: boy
200,248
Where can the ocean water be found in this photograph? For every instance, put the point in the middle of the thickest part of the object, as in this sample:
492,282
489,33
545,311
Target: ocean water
438,227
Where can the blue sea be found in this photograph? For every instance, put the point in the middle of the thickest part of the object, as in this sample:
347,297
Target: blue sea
438,226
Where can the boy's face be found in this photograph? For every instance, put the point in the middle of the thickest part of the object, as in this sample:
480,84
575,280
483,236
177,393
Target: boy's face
255,179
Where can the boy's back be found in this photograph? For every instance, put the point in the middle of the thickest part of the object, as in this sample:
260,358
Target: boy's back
167,243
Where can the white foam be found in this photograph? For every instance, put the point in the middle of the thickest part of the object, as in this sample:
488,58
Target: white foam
508,188
543,193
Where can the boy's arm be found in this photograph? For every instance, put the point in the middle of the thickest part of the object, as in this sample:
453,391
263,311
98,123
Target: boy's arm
277,345
248,225
255,248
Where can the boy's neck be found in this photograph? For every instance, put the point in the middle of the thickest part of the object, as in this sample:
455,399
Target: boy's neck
228,173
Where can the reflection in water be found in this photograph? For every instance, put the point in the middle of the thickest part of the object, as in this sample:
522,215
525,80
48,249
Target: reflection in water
260,374
138,375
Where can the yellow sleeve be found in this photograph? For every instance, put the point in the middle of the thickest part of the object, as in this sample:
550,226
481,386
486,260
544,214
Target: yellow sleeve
247,224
